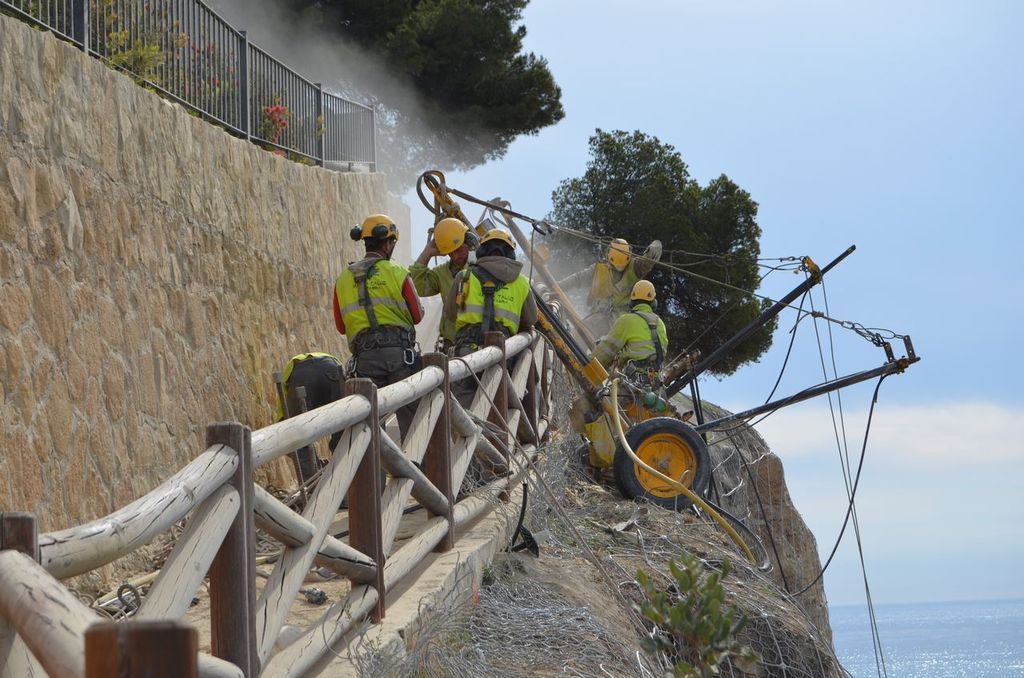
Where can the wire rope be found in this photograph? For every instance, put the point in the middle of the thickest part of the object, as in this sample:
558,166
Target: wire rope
856,482
844,453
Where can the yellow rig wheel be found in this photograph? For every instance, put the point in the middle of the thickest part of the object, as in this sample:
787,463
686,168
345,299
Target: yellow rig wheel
673,448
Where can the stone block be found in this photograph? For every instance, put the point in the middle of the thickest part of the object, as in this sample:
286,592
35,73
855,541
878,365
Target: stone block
90,407
77,377
15,304
87,344
59,414
51,308
11,229
27,464
19,383
22,181
70,222
113,377
102,443
49,190
42,373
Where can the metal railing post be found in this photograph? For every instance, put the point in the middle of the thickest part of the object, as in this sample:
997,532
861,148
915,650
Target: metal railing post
373,139
366,531
243,85
80,23
437,464
320,128
233,571
141,649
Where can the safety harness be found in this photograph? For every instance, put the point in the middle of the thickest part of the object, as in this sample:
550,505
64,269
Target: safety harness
376,335
489,285
361,271
652,325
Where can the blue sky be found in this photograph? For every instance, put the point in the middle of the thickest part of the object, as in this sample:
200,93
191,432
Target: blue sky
896,126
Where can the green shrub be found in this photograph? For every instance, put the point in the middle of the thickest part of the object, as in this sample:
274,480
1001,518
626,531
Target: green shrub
692,623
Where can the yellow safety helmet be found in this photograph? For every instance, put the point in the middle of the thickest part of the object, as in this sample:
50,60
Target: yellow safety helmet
375,226
498,234
449,235
618,254
643,290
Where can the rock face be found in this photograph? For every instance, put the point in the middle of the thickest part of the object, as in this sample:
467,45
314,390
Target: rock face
751,485
154,272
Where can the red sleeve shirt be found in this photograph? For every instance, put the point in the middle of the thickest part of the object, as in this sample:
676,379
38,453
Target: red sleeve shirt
338,322
412,300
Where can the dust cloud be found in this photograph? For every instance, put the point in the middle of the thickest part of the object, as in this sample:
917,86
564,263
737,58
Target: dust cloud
408,140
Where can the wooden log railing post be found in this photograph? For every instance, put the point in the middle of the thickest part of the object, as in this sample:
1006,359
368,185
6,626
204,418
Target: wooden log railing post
365,526
499,414
437,463
18,532
233,572
141,649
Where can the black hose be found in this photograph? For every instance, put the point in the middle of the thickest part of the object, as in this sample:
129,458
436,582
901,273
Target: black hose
522,517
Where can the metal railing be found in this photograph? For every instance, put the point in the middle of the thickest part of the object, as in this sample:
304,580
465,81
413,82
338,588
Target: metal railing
186,52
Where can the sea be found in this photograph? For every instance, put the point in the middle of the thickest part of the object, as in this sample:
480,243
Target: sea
979,639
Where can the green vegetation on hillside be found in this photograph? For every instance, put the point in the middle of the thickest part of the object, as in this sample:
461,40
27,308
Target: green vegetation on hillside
691,621
637,187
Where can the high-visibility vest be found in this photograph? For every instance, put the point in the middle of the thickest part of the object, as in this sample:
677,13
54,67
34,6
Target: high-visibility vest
287,374
481,292
633,337
611,288
370,296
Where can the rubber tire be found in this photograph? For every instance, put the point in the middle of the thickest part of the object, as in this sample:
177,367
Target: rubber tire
625,474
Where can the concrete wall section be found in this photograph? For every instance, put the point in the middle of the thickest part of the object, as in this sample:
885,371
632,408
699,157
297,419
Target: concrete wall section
154,272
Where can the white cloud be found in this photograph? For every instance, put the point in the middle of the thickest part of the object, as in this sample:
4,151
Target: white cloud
946,434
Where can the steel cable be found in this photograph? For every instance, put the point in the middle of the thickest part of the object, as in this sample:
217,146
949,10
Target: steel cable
856,482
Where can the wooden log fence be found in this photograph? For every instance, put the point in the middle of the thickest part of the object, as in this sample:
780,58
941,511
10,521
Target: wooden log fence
46,629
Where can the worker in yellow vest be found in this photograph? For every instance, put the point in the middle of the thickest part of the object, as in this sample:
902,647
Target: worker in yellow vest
453,239
611,281
490,295
638,340
376,307
321,375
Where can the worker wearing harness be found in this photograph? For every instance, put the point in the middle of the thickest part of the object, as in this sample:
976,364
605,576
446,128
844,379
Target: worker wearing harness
490,295
453,239
638,336
321,375
376,308
611,282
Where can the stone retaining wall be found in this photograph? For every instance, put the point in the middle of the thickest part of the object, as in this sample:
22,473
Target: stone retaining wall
154,272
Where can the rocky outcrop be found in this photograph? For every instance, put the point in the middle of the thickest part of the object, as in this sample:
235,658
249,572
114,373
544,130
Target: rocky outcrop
154,272
750,483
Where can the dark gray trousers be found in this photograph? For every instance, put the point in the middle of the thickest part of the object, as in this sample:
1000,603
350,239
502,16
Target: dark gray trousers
384,366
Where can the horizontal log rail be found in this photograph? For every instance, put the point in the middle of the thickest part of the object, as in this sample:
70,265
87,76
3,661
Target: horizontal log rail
497,423
48,617
77,550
